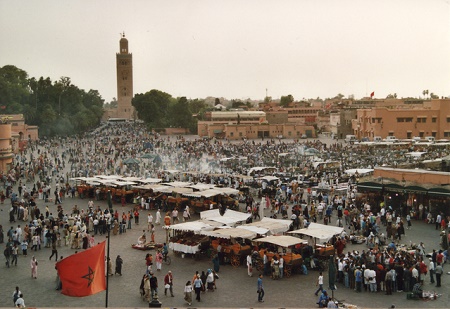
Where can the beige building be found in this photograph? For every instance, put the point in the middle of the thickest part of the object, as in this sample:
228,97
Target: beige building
6,150
405,121
14,136
124,69
250,124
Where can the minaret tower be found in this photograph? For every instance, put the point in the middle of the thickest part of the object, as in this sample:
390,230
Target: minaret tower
124,64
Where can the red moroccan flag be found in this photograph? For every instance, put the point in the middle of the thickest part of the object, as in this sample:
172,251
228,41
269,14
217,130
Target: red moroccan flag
372,94
83,274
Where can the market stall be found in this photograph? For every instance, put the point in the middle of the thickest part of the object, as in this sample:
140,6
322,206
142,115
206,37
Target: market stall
234,249
283,245
319,235
186,238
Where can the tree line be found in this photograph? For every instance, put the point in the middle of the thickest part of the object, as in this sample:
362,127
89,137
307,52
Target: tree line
159,109
57,107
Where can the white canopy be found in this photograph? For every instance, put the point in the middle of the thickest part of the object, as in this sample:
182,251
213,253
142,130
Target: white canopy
122,183
192,226
269,178
150,180
230,216
108,177
230,233
282,240
201,186
166,189
178,184
319,231
275,226
254,229
227,190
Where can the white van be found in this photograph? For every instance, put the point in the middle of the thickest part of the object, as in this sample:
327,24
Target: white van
350,138
391,139
430,139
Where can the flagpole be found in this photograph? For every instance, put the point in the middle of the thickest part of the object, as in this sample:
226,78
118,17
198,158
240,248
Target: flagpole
107,252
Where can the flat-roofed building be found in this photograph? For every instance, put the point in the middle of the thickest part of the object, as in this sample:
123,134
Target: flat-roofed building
250,124
405,121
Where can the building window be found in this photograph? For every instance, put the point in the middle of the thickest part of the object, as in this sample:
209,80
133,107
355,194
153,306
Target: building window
408,135
408,119
400,119
448,119
447,134
421,119
231,134
240,134
421,134
433,119
434,133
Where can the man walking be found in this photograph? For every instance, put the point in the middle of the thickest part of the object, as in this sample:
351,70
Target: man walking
14,253
168,283
7,253
260,289
153,285
54,251
319,283
198,284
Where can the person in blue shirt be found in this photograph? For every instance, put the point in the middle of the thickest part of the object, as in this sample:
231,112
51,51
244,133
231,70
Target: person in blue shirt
260,289
323,299
392,246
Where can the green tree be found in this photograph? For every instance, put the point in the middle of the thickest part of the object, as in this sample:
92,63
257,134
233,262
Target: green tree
235,103
285,100
196,105
434,96
153,107
50,105
180,116
14,91
112,104
391,96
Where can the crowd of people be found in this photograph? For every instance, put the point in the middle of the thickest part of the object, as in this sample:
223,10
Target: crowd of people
43,172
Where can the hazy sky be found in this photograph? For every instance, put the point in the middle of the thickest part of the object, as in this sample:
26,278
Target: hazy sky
235,49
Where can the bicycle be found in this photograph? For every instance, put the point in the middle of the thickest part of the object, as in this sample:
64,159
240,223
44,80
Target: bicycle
166,259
